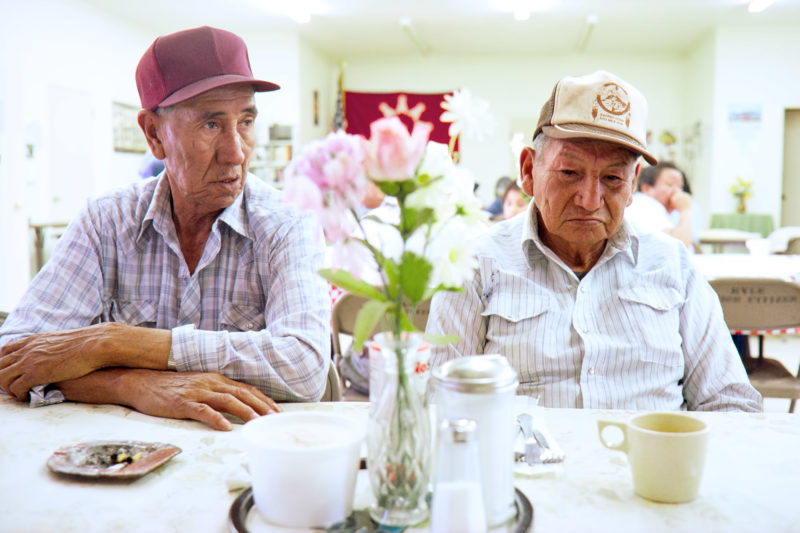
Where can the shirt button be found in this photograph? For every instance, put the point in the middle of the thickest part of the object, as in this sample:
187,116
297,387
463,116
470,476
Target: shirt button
251,326
591,371
583,289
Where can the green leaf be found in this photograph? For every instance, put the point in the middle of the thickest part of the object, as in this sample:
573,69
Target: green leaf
367,319
344,280
415,271
440,339
412,219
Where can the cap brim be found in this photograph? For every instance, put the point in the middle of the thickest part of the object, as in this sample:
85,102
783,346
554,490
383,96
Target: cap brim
583,131
208,84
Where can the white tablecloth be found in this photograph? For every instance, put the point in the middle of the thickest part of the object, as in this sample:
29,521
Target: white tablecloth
749,485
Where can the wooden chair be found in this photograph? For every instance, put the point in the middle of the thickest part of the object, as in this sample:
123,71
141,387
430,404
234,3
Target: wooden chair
763,306
333,387
343,321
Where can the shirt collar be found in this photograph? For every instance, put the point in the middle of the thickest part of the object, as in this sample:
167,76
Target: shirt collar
159,212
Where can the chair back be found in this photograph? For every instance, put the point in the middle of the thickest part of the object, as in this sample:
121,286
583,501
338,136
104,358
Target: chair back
343,317
758,304
333,386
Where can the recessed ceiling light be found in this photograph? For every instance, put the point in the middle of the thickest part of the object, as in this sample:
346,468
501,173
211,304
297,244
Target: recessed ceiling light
757,6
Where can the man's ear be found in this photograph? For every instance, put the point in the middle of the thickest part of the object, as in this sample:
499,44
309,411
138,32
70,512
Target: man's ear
636,172
150,121
527,160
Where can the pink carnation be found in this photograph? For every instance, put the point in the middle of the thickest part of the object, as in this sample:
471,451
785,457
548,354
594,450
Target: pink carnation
392,153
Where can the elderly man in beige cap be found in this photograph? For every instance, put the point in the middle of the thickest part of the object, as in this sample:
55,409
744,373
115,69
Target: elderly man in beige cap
191,294
590,313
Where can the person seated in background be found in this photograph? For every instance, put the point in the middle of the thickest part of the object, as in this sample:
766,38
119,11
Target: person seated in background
495,208
514,201
661,193
190,295
588,311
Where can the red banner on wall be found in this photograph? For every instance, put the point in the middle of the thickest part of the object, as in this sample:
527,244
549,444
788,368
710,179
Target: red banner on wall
361,109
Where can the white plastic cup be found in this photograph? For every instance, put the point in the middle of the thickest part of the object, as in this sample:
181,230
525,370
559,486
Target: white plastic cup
303,466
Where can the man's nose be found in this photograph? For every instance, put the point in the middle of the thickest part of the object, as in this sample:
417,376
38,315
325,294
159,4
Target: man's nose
589,195
231,148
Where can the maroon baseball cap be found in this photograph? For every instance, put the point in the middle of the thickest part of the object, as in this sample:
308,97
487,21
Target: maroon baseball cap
183,64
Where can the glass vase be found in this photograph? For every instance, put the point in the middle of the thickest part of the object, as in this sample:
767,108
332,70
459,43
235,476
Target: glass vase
398,437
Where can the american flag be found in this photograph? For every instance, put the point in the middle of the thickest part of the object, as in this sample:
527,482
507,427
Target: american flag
339,122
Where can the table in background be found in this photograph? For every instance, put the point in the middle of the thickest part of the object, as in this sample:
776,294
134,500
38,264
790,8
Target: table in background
749,484
718,238
752,222
784,267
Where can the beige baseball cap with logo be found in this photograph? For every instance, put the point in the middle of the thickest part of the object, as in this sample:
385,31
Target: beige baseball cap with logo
597,106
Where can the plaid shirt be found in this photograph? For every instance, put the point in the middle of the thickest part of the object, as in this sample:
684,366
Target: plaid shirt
254,310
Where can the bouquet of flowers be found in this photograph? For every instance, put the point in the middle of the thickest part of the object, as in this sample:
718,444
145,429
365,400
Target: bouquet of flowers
437,210
741,191
436,214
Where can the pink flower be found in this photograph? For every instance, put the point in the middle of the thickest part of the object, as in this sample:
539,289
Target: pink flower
303,193
392,154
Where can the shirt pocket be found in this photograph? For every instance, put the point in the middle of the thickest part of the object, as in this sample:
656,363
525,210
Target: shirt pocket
141,313
655,311
239,317
517,308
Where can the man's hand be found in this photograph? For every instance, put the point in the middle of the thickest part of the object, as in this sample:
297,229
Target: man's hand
200,396
680,201
44,358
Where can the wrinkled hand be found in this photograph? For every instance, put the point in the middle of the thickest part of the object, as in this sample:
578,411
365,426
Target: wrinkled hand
47,358
200,396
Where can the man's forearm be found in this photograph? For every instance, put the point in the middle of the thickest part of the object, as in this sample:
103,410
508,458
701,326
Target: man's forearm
135,347
103,386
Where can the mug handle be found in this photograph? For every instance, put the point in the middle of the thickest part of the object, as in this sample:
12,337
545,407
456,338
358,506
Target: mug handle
623,426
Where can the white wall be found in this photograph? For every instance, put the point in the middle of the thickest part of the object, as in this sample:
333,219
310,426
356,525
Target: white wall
759,68
698,122
516,88
52,53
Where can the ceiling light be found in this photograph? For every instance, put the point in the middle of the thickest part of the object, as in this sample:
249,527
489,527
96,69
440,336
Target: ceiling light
298,10
423,48
591,22
757,6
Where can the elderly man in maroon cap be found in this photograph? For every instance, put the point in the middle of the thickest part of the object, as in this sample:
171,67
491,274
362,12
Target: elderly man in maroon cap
590,313
191,294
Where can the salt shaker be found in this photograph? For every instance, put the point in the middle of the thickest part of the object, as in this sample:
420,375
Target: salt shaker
482,388
457,495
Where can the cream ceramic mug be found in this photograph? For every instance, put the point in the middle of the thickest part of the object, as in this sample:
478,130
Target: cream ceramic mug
666,451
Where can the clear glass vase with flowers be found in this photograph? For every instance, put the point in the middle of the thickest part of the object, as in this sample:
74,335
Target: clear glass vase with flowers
435,212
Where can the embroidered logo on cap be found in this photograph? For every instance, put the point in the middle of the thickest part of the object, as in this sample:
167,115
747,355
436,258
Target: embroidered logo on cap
614,100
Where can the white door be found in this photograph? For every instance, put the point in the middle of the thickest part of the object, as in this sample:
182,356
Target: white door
790,199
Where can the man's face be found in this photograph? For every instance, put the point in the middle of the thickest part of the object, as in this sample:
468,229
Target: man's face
581,188
207,142
668,182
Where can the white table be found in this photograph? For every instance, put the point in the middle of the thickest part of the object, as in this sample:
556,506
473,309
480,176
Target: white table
750,480
718,238
785,267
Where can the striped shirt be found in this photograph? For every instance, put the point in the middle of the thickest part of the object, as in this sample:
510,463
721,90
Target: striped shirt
641,330
254,310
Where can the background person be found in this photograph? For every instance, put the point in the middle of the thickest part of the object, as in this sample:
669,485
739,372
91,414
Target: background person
514,201
661,194
495,208
589,312
201,270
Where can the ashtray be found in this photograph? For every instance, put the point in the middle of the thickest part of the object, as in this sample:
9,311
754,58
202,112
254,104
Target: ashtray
360,521
111,459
